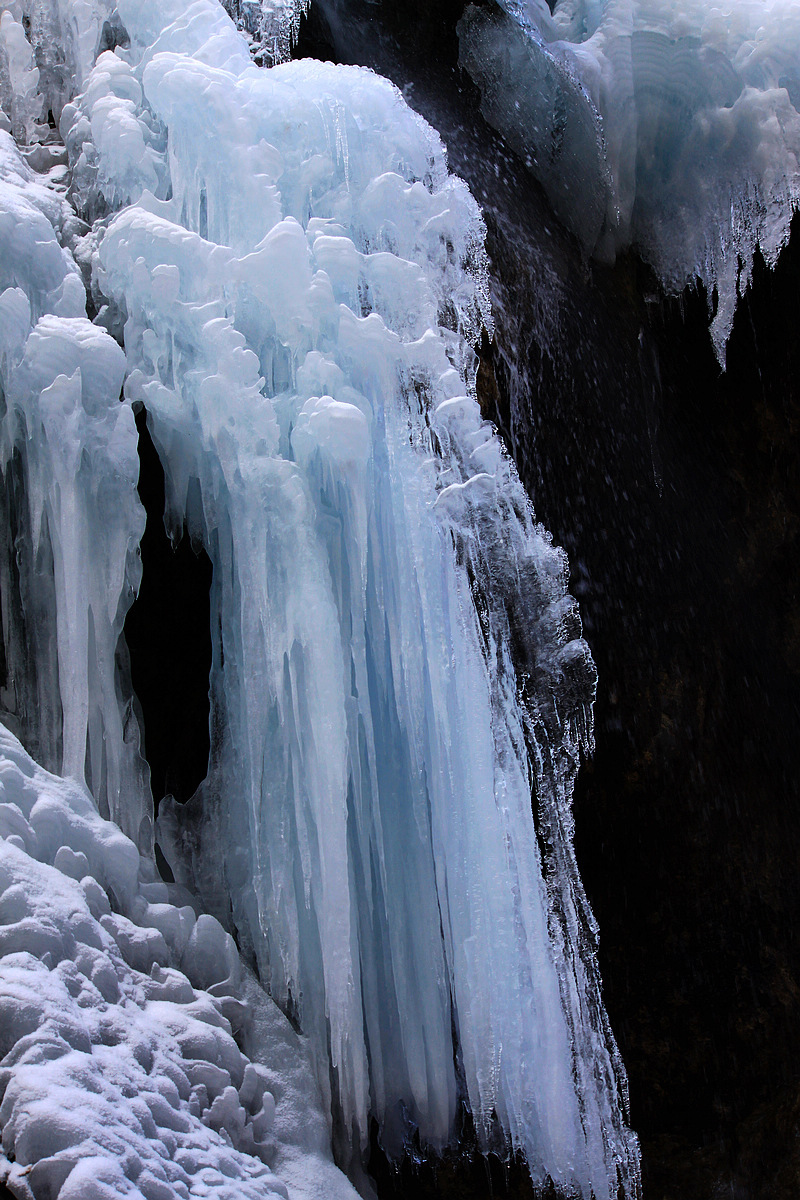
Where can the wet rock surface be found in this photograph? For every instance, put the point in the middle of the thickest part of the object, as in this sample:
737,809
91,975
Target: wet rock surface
674,488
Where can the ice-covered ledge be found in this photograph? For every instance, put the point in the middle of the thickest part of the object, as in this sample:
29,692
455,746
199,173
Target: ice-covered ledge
672,127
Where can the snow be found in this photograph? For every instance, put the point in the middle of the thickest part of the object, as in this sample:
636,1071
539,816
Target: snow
674,127
120,1074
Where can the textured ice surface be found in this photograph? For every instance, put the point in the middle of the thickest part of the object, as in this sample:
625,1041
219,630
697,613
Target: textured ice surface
297,281
73,519
63,38
119,1071
672,125
271,26
116,148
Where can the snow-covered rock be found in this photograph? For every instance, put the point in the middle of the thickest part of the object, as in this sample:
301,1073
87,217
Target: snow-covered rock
119,1074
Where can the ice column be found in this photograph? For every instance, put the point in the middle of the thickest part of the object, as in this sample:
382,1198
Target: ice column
71,516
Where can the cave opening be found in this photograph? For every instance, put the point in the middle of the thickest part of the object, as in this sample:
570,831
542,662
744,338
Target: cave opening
168,633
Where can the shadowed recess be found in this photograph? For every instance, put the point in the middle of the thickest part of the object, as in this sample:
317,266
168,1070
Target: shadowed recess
168,634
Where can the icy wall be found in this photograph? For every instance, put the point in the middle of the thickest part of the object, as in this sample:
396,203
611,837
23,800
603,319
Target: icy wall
297,281
68,452
672,126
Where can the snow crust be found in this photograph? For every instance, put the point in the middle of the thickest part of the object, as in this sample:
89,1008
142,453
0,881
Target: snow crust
119,1071
297,282
674,126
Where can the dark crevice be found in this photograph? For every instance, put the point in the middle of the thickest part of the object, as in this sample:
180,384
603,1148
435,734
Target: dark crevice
169,639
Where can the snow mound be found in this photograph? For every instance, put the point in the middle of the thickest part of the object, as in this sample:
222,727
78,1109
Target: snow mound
119,1071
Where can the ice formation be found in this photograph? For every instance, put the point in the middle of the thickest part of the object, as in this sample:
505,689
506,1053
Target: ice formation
67,449
674,126
271,26
296,281
119,1072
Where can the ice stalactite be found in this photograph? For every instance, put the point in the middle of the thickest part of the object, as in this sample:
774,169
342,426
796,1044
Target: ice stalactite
73,520
297,318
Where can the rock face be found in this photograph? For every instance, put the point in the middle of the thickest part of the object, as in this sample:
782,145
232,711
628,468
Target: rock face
674,488
686,815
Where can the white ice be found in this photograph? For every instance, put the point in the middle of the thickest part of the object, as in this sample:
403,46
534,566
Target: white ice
119,1071
70,448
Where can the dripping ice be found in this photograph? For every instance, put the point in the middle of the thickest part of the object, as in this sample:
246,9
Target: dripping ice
670,126
284,275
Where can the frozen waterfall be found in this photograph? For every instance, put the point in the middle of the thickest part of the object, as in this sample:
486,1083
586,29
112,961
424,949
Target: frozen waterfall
282,272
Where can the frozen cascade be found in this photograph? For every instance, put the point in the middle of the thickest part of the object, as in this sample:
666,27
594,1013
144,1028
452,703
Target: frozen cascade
684,117
67,448
397,664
